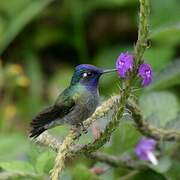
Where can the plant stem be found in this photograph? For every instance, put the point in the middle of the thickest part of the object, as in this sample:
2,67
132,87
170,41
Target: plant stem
143,31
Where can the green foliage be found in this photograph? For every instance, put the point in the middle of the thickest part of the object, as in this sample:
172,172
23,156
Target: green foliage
159,107
124,139
168,77
81,172
44,162
9,148
40,43
17,15
149,174
158,56
163,166
17,167
173,171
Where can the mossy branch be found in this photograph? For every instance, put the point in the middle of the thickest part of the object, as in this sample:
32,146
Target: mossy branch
111,160
63,150
118,161
151,131
141,124
143,31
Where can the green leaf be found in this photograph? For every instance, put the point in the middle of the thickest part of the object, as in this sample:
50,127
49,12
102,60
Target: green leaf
9,148
44,162
13,7
160,15
163,165
165,27
158,56
81,172
159,107
167,35
175,124
124,138
173,173
168,77
17,167
107,175
26,11
149,175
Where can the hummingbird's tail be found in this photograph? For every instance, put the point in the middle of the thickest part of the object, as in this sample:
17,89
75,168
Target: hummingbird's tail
36,132
43,121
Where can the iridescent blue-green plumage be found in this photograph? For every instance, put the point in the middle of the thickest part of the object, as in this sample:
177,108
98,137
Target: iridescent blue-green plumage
75,104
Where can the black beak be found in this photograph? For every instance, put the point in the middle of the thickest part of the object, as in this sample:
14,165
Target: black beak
109,70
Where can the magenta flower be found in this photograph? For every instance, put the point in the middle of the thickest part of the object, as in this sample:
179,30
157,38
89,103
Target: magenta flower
124,63
145,150
145,72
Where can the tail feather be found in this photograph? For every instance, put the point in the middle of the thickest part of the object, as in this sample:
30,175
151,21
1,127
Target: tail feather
34,133
40,122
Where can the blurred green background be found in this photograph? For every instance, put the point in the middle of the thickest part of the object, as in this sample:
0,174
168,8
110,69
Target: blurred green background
41,41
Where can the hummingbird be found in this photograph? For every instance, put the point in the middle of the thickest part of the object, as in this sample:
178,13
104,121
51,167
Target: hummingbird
75,104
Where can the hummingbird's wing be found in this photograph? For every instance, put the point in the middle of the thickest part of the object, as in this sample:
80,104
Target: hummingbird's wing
63,105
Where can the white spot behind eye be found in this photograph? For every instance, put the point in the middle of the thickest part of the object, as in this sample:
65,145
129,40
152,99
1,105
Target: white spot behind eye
85,74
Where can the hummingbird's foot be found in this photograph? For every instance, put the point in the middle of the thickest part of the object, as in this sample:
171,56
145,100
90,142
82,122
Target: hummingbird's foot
77,130
83,128
79,134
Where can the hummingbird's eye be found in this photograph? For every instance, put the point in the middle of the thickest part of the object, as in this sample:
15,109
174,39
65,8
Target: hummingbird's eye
87,74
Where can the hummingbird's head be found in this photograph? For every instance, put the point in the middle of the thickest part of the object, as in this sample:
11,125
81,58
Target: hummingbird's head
88,75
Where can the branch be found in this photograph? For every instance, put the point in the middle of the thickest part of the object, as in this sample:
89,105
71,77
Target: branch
117,161
46,139
148,130
114,161
63,150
